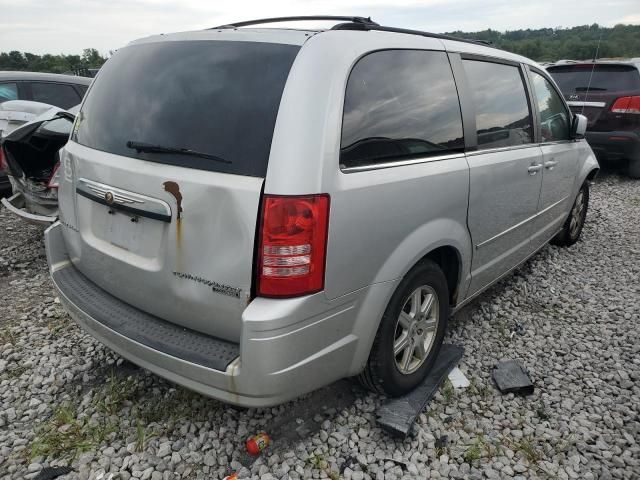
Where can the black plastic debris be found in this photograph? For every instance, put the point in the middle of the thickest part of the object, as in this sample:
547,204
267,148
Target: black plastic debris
442,442
349,462
398,415
511,377
49,473
518,328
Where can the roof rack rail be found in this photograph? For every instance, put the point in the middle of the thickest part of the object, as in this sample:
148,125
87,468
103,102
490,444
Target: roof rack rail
375,26
354,23
353,20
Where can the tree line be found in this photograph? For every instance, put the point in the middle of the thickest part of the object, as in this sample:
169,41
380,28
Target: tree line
577,43
543,45
31,62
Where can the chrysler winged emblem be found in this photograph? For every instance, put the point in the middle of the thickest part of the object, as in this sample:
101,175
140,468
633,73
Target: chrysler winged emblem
108,197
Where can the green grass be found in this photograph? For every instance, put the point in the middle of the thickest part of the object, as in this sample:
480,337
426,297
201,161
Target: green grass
7,336
66,436
141,436
527,448
472,454
177,404
318,462
16,371
115,393
483,390
476,451
448,392
57,326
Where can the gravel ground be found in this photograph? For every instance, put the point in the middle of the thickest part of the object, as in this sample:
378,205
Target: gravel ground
572,316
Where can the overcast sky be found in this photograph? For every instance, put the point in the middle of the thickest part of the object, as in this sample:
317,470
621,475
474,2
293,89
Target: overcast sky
68,26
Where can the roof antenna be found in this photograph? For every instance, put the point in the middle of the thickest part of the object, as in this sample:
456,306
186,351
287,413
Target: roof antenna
593,67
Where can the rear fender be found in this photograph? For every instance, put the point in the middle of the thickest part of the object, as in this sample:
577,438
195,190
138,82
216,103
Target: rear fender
441,232
587,166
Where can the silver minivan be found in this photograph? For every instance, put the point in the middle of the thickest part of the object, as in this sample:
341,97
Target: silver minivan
254,213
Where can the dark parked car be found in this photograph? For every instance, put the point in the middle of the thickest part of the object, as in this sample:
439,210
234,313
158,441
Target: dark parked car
62,91
607,92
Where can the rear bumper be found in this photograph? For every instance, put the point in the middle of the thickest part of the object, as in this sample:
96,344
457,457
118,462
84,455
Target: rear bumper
16,204
288,347
623,145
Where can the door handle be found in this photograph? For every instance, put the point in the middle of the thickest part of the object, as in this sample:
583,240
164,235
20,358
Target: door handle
550,164
533,169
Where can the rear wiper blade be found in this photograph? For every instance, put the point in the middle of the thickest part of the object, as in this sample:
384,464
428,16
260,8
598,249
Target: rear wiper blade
151,148
582,89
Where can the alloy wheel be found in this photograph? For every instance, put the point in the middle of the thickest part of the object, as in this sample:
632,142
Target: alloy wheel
416,329
576,214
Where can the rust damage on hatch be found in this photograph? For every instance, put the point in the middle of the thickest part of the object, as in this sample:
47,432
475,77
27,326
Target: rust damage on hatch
174,189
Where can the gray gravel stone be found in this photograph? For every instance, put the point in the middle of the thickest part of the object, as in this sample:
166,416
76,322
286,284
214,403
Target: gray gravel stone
570,316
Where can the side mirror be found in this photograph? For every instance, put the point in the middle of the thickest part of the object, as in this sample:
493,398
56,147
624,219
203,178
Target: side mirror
578,126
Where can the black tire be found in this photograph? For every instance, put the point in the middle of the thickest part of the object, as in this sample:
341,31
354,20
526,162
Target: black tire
382,374
569,234
633,169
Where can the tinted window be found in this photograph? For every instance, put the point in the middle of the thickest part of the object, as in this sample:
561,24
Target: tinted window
8,91
58,94
554,118
214,97
614,78
400,104
503,118
82,89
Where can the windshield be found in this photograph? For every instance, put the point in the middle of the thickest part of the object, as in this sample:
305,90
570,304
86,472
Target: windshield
609,78
215,97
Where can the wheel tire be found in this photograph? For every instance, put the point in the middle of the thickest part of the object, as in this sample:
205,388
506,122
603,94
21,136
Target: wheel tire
570,232
382,373
633,169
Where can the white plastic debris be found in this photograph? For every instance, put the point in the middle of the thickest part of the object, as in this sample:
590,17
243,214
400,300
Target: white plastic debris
458,379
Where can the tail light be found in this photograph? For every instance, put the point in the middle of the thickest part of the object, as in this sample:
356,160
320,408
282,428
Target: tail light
626,105
293,244
3,161
54,180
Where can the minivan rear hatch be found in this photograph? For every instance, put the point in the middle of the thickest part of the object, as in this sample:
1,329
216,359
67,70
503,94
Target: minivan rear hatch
164,172
592,89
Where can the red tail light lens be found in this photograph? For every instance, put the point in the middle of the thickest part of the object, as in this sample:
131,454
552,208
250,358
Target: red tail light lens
293,244
54,181
626,105
3,161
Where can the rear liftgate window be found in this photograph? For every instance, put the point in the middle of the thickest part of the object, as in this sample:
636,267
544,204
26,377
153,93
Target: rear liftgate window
219,99
605,78
399,105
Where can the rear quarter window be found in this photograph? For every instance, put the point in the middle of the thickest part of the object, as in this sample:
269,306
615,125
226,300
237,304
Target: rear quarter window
58,94
400,104
217,98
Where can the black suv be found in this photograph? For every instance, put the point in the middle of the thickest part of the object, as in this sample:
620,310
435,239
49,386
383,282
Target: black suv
607,92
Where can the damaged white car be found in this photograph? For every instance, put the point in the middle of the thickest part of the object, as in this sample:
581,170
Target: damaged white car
29,157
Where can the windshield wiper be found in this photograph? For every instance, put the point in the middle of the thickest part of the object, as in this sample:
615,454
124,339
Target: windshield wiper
582,89
151,148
